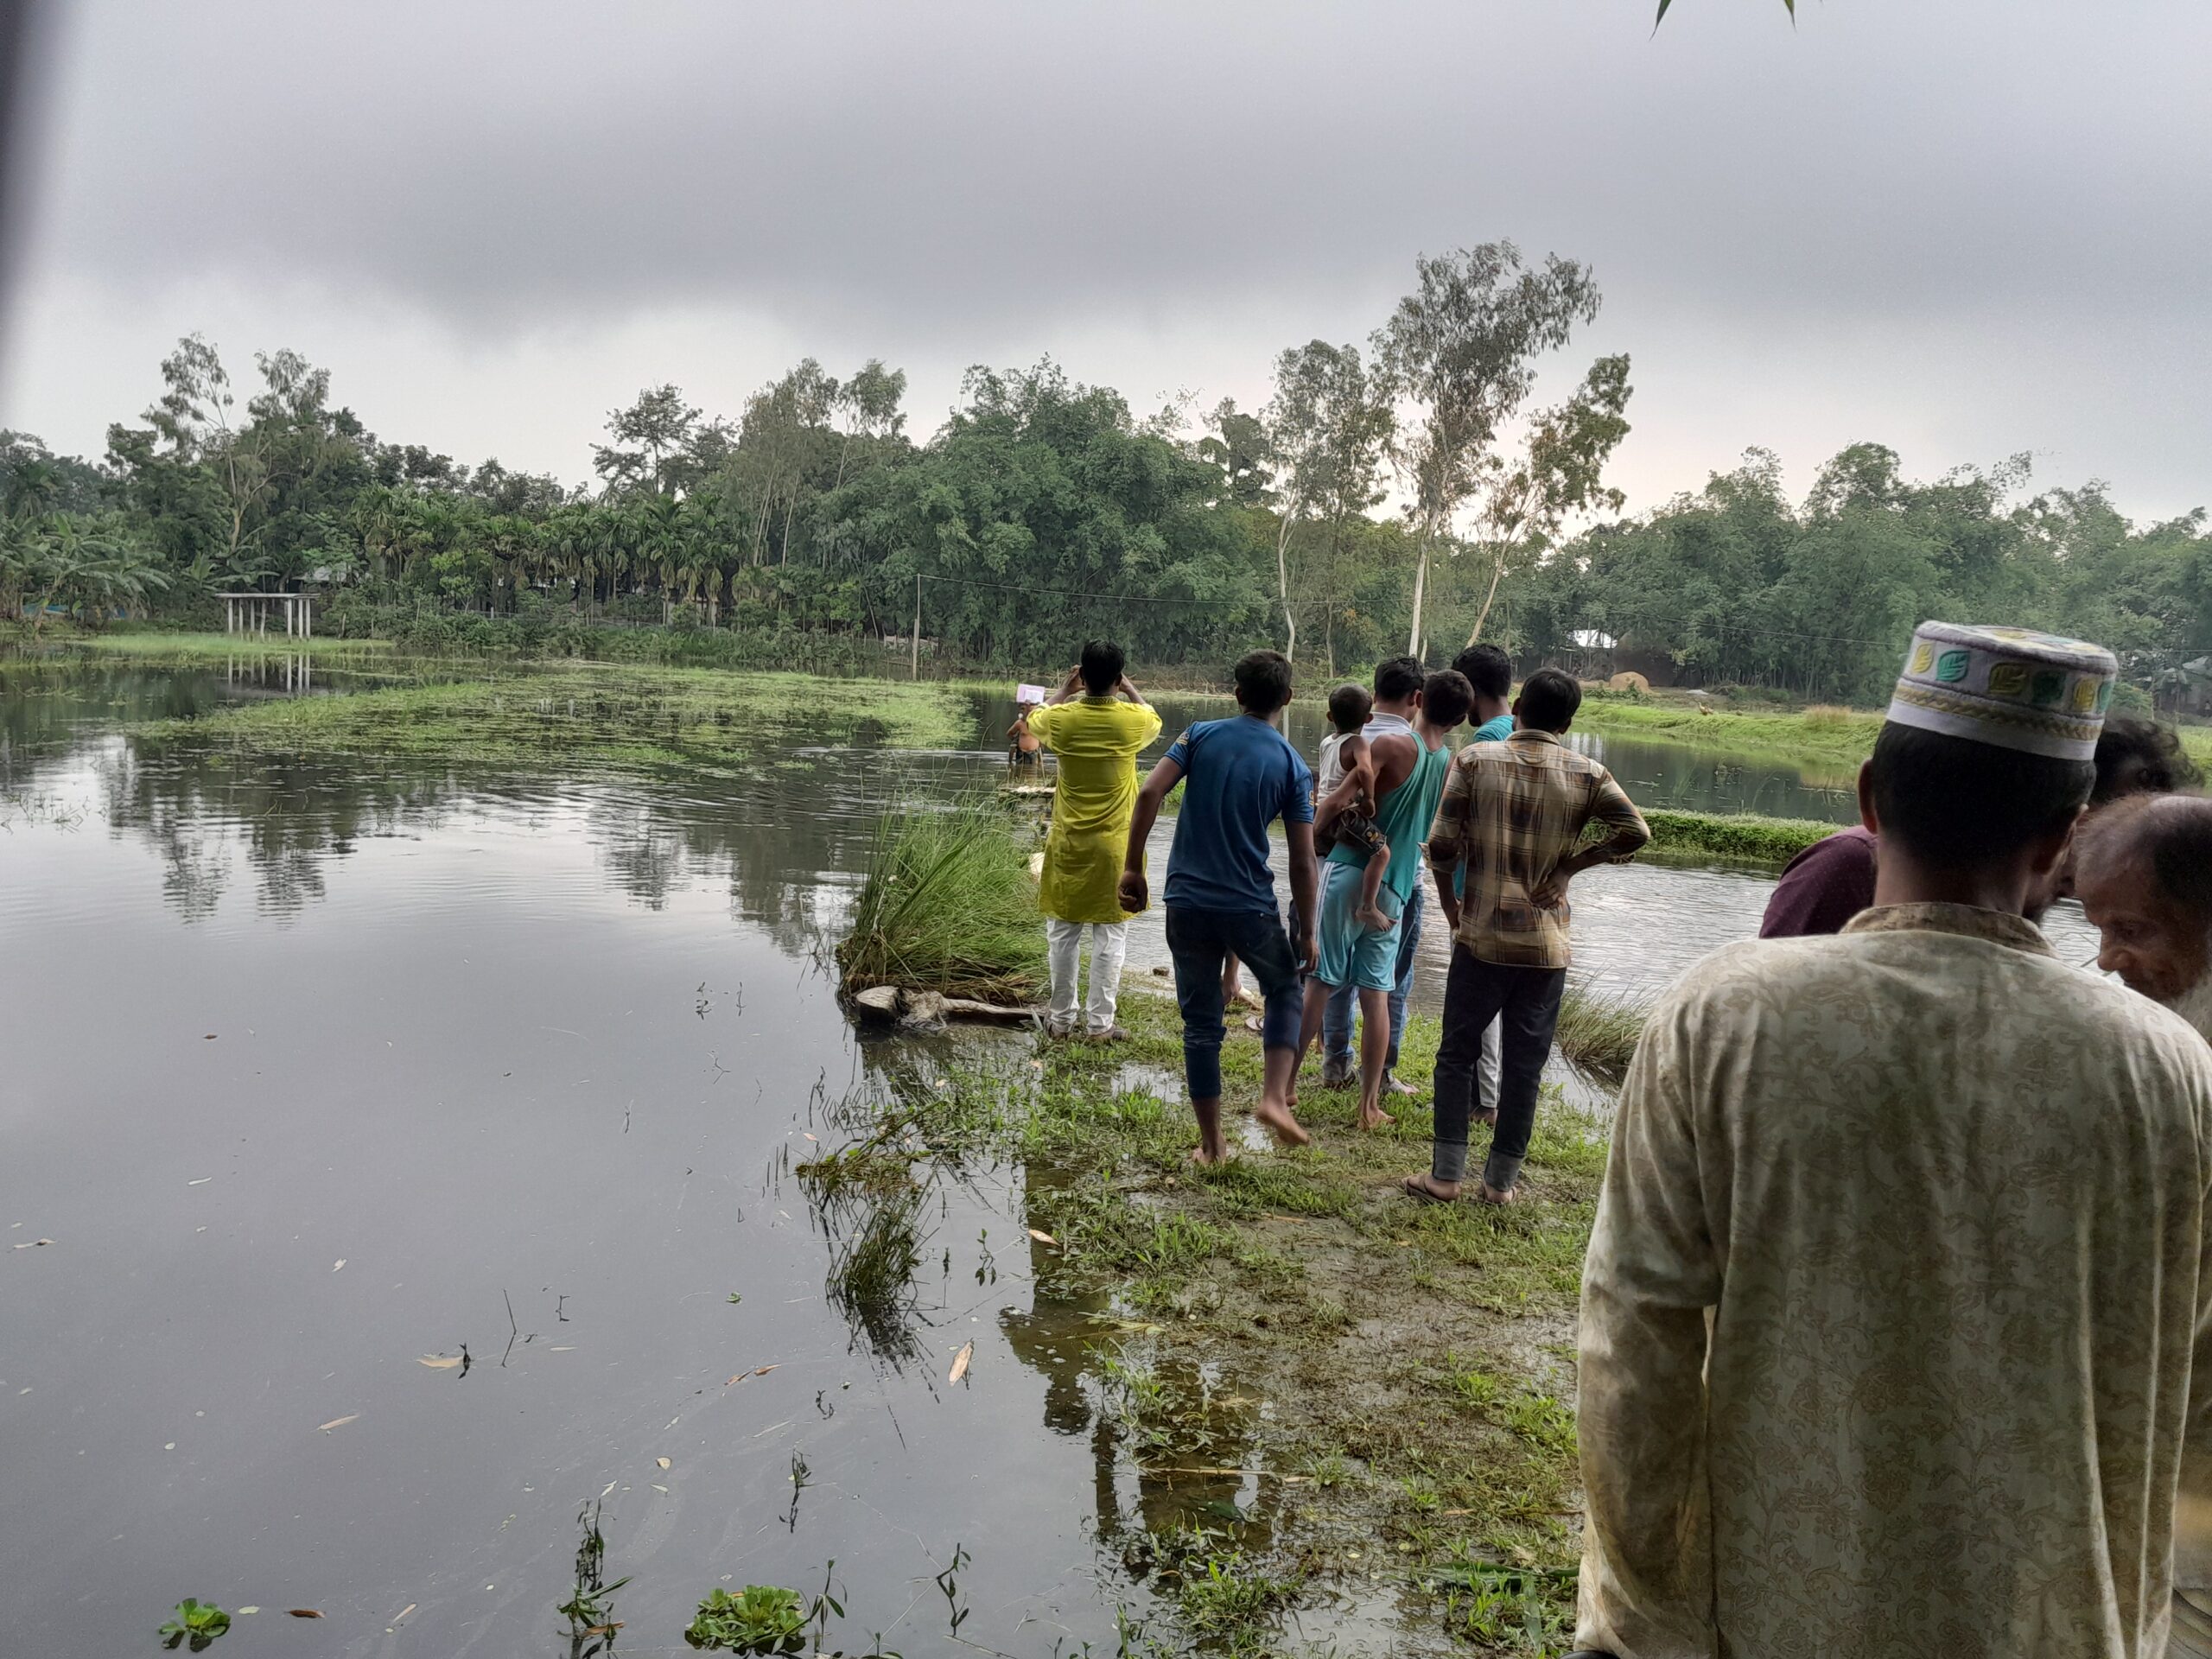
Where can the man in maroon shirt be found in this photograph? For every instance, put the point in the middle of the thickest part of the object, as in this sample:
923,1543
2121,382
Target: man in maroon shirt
1833,879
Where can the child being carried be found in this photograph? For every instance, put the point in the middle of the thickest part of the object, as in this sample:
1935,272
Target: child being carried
1345,802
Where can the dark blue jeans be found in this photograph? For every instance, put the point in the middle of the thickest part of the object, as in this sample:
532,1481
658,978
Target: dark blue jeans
1475,993
1199,941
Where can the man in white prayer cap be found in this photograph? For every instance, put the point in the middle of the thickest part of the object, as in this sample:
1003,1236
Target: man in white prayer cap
1890,1339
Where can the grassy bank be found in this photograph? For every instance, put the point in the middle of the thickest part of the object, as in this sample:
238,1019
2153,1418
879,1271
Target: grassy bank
1739,837
221,647
594,714
1324,1389
1839,736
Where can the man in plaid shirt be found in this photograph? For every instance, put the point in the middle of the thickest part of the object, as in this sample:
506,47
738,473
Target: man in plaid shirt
1514,812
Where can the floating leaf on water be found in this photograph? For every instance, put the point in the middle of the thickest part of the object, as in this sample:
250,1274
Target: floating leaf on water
1044,1238
304,1612
338,1423
33,1243
403,1611
439,1362
809,1134
603,1491
662,1462
209,1037
960,1362
202,1181
256,1610
565,1348
339,1263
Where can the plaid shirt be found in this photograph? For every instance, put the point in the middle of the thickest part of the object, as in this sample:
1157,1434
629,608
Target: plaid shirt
1513,810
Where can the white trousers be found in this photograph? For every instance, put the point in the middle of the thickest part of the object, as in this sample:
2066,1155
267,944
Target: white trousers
1109,944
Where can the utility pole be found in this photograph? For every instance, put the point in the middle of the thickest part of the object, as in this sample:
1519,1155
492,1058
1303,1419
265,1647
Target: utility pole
914,642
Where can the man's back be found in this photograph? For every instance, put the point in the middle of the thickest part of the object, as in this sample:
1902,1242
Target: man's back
1945,1196
1513,809
1096,740
1239,775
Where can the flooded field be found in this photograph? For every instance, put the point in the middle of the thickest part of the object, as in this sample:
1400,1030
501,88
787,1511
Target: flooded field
401,1159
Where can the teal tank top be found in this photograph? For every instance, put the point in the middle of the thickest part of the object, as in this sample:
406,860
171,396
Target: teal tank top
1407,810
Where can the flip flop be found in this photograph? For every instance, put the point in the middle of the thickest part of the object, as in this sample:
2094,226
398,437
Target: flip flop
1413,1189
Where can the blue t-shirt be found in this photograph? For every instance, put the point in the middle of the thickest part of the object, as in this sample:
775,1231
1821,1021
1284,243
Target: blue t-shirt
1239,775
1490,731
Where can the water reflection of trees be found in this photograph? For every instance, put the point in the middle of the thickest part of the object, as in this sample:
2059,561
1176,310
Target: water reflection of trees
788,844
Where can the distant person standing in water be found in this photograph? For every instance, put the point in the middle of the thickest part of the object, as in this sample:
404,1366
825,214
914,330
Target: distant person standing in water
1095,725
1239,775
1832,880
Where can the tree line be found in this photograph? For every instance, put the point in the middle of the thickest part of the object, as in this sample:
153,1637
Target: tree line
1414,493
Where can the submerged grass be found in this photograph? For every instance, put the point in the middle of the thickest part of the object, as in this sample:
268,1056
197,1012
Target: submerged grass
623,716
946,905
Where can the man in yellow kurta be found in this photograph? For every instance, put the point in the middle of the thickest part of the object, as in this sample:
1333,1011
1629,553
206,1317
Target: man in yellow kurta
1896,1321
1095,726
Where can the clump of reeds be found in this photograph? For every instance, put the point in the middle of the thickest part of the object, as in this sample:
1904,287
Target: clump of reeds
947,906
1832,715
876,1232
1597,1029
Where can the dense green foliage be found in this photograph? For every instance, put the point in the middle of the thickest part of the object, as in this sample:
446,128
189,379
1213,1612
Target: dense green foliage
1736,584
806,533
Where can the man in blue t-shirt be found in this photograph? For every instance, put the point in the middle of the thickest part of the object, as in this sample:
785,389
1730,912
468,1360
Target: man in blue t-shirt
1489,671
1238,775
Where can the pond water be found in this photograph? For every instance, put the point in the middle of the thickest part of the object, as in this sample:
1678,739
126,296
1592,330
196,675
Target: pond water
319,1068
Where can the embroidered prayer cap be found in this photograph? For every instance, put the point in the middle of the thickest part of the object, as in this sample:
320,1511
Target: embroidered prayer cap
2012,688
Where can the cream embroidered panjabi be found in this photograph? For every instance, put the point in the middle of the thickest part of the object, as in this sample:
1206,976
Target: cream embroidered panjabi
1896,1321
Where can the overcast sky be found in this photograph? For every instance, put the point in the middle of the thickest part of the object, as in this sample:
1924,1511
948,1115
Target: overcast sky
1965,230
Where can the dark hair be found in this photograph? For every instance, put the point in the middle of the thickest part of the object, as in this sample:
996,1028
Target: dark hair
1397,678
1548,700
2135,755
1487,669
1956,804
2171,833
1445,696
1349,706
1102,664
1262,681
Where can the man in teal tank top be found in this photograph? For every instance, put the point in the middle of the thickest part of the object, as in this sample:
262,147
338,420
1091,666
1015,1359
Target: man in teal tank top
1408,766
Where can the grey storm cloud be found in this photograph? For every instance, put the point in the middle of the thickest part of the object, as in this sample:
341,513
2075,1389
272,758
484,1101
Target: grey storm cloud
946,160
1978,226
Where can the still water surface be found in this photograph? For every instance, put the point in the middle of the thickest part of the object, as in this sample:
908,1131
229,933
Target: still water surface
320,1068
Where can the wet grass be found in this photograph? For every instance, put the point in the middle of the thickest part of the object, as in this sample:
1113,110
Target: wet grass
1400,1375
1598,1030
946,905
580,716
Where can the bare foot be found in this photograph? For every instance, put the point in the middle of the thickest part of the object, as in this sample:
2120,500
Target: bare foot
1395,1085
1281,1124
1429,1190
1374,1117
1216,1152
1487,1114
1372,920
1492,1195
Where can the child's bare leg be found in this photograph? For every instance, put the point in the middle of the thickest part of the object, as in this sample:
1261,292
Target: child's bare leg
1370,914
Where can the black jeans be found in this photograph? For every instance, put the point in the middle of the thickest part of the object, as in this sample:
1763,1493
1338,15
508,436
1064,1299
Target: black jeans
1200,940
1475,993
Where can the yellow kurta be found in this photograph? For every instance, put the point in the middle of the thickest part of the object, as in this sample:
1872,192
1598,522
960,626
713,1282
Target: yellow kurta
1944,1198
1097,740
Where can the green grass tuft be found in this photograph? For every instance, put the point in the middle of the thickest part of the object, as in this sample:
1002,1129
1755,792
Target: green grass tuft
947,906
